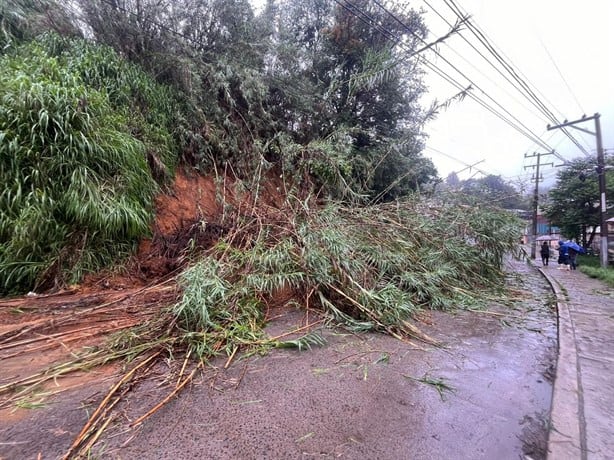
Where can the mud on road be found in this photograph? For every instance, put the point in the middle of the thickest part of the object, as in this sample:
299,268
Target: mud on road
485,393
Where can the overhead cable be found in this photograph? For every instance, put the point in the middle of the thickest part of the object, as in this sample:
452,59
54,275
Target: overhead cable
518,126
510,69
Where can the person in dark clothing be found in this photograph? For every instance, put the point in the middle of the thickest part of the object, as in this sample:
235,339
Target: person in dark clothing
563,255
545,253
572,258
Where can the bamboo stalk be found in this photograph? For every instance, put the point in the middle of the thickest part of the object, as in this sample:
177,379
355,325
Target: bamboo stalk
73,315
228,361
167,399
102,404
55,343
83,452
185,363
56,371
43,337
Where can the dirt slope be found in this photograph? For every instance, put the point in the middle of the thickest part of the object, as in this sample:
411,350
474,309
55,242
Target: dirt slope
485,394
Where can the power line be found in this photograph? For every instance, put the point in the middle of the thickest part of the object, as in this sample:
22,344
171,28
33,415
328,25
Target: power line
497,69
460,161
523,129
561,75
505,57
371,21
509,68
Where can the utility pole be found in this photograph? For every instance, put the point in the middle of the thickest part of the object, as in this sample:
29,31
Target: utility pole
603,253
533,234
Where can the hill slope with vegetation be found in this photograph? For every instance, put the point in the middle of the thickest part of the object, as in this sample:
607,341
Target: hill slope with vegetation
93,129
306,121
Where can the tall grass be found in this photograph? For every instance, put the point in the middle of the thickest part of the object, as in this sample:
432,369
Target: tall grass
77,188
592,267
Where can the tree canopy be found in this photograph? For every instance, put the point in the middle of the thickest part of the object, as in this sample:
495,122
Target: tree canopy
304,79
573,204
488,189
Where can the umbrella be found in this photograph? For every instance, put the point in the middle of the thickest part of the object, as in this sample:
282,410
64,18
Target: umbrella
547,238
575,246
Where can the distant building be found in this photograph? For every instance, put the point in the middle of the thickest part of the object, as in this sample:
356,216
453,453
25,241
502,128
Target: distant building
544,229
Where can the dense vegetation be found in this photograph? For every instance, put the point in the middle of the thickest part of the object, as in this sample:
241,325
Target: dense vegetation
100,106
77,190
573,203
307,90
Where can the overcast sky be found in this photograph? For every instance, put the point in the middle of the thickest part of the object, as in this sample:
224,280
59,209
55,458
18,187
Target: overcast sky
563,49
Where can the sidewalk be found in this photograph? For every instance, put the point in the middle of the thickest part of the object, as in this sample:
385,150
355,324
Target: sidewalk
582,416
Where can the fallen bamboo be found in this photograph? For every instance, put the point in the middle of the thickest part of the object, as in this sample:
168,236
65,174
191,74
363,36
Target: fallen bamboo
185,363
74,315
168,398
54,372
79,439
44,337
63,342
84,451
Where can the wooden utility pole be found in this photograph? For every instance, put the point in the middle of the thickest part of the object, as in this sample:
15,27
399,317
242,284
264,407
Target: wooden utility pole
533,234
603,253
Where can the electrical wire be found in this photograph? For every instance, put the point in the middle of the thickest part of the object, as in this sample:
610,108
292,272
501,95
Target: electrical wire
496,68
510,69
561,75
518,126
459,161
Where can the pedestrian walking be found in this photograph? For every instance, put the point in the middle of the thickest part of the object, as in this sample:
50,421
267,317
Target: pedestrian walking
573,254
545,253
563,256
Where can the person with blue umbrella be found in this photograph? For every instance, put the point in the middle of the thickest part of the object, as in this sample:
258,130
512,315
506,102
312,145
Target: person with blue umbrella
563,254
573,249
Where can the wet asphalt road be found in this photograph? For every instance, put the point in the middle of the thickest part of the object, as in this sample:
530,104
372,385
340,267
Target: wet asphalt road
367,397
484,395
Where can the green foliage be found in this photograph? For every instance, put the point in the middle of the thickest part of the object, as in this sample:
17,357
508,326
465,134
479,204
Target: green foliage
212,61
333,73
22,20
335,93
604,274
304,342
488,189
78,188
573,202
369,268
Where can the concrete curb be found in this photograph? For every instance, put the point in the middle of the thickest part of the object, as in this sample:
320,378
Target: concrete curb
566,436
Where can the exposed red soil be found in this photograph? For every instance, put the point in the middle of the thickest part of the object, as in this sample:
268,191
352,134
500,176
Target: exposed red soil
38,330
191,214
302,396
